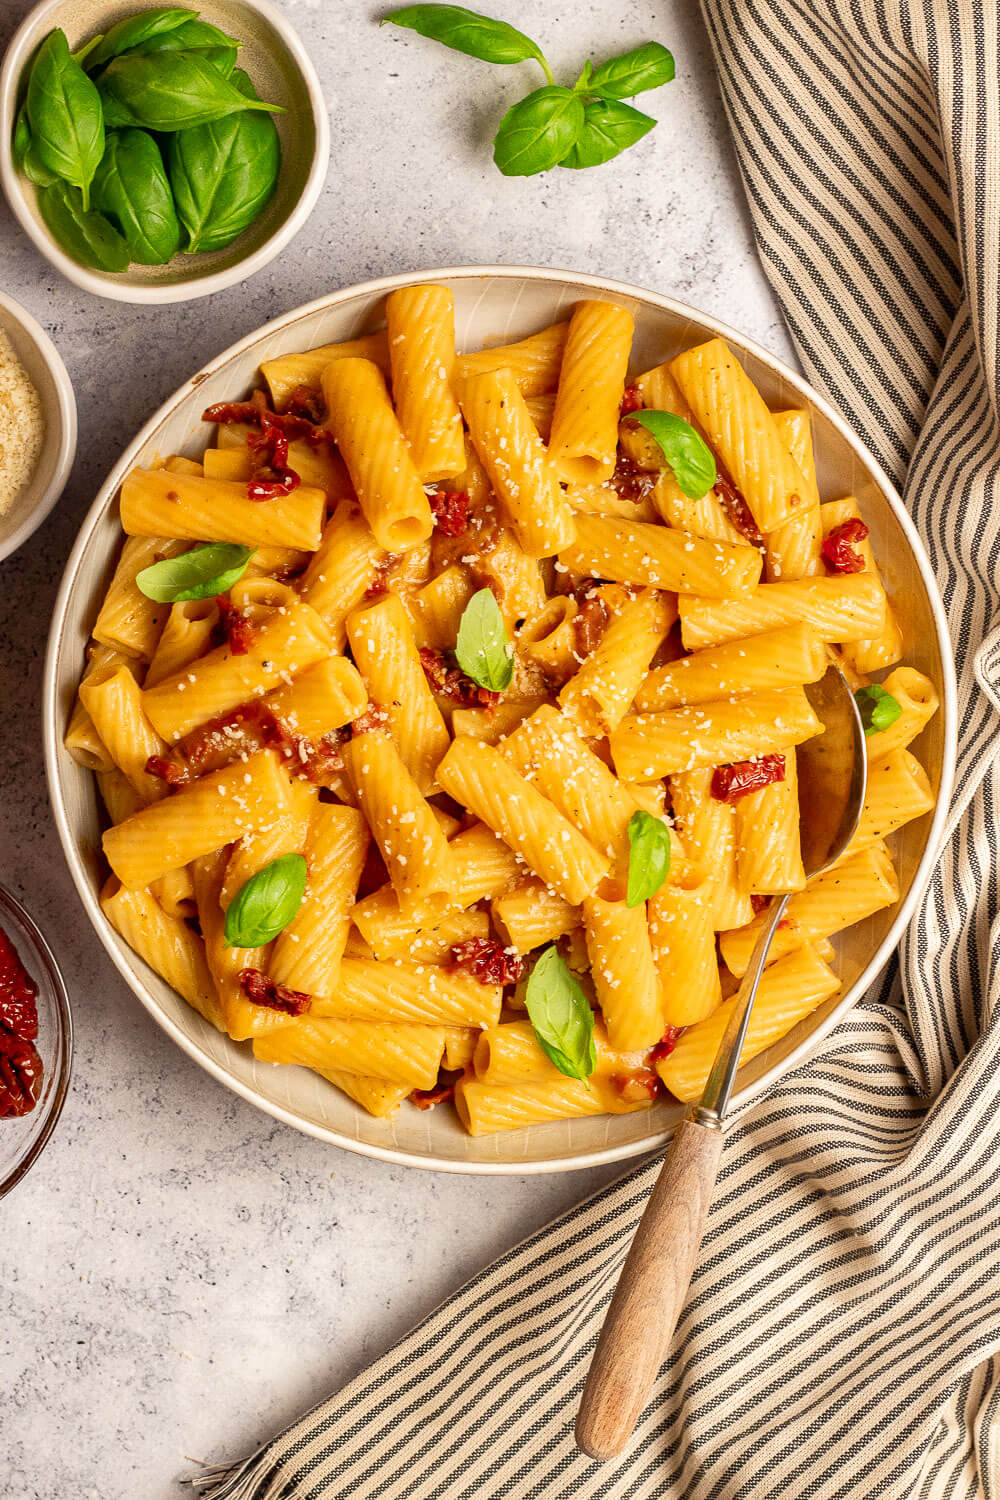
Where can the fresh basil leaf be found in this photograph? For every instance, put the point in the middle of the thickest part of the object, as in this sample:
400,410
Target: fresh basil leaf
687,454
21,139
483,650
64,113
223,174
582,84
198,36
648,856
131,187
82,53
35,169
562,1020
134,30
467,31
537,133
878,708
84,234
201,573
166,91
267,903
609,128
646,67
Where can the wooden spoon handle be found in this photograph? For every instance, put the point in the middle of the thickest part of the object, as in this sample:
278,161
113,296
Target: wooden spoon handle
651,1292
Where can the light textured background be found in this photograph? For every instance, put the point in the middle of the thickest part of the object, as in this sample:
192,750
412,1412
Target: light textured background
179,1276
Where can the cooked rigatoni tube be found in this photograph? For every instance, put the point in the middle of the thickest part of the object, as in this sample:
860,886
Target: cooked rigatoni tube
484,1108
459,1046
483,867
371,443
647,746
708,828
307,953
734,417
768,850
623,973
514,577
491,724
478,777
850,892
918,698
167,944
681,926
789,990
343,569
377,1095
792,550
534,362
404,827
119,798
509,1054
217,510
82,740
436,609
548,639
128,621
547,751
283,835
600,694
885,648
114,701
421,329
847,607
388,660
320,699
639,552
186,635
583,444
243,1018
286,373
396,990
292,638
787,657
898,790
396,1051
198,819
604,500
319,466
515,458
532,915
431,944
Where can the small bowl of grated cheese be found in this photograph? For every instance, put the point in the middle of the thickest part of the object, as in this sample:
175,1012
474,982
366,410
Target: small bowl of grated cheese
37,425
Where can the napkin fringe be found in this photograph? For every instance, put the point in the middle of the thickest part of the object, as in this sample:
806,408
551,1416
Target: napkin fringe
227,1481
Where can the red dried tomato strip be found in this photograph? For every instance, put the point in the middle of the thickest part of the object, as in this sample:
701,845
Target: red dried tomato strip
730,783
306,404
452,682
632,400
759,903
21,1073
18,991
666,1044
256,411
738,510
451,511
374,717
429,1098
167,770
631,482
487,960
263,991
838,548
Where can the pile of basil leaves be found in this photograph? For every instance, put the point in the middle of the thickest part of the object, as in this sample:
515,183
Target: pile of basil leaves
147,141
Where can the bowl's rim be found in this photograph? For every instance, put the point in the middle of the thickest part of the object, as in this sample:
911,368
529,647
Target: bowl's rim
13,913
373,290
199,286
66,410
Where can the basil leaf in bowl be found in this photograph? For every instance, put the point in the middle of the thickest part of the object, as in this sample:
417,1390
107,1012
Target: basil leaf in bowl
134,31
64,115
266,904
131,187
84,234
224,173
214,45
167,91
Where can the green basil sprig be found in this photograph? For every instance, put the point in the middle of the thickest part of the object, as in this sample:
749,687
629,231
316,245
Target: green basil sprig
878,708
267,903
131,187
85,234
562,1020
483,649
133,31
64,115
216,46
167,91
687,454
223,174
201,573
576,127
648,856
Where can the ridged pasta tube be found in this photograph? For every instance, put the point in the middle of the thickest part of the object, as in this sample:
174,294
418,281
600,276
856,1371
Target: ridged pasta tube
583,444
786,657
155,502
640,552
623,973
342,569
844,608
600,694
397,1052
793,549
647,746
167,944
768,847
287,372
397,990
307,953
886,647
127,620
421,329
682,942
534,362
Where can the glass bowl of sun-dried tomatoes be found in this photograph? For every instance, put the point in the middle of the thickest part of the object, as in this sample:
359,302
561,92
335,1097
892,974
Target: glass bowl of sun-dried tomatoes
36,1042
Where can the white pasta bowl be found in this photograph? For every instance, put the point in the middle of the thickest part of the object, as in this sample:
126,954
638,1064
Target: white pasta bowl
493,305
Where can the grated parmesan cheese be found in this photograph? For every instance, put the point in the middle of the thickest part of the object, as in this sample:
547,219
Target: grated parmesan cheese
22,426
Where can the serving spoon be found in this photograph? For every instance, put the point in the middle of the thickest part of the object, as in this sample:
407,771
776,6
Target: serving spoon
649,1298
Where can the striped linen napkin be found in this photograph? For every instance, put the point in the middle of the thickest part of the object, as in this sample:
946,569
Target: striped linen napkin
841,1332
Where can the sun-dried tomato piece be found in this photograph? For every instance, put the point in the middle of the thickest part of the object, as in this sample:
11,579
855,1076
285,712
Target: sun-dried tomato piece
668,1041
235,628
256,411
374,717
272,474
759,903
429,1098
452,682
263,991
590,620
380,578
487,960
737,510
167,770
838,548
451,511
630,481
21,1073
730,783
643,1084
18,991
307,404
632,400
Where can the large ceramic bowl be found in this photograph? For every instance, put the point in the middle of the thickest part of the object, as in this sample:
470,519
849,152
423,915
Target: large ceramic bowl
493,305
